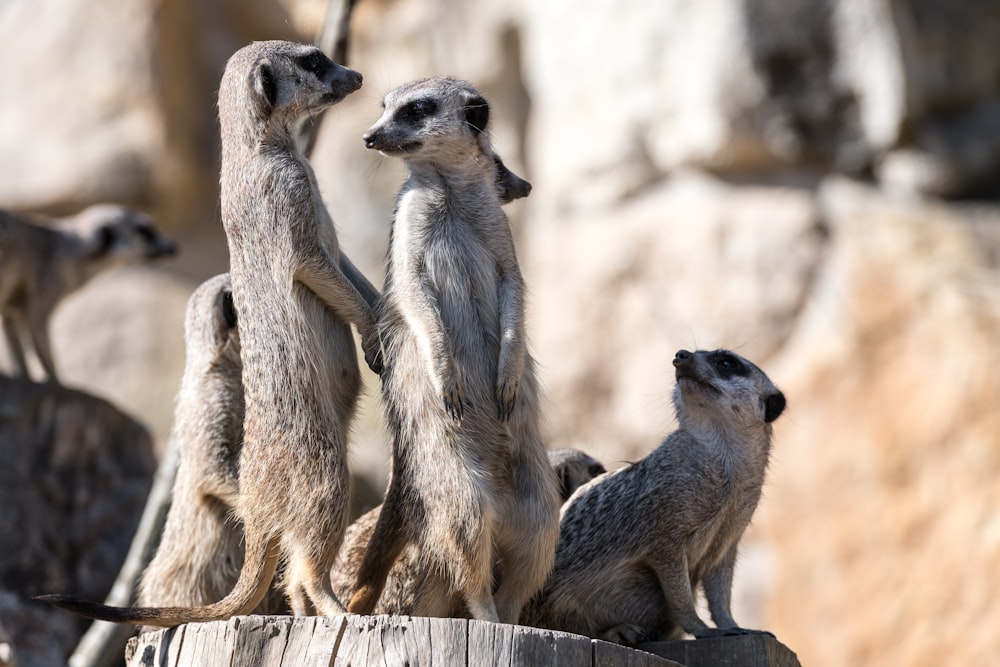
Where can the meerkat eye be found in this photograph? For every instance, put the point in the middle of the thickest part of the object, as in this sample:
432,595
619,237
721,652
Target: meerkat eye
729,365
315,63
419,109
145,233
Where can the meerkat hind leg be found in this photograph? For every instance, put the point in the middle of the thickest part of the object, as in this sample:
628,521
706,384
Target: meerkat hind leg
474,563
10,328
481,604
299,601
40,339
312,579
522,574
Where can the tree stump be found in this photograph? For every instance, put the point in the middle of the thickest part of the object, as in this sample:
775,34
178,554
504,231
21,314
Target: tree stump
395,641
322,641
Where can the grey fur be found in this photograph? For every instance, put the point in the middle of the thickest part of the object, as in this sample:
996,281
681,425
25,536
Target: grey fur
410,578
295,294
469,479
634,543
42,263
201,548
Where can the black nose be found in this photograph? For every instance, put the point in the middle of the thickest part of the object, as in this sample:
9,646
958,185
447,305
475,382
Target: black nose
354,79
682,358
369,140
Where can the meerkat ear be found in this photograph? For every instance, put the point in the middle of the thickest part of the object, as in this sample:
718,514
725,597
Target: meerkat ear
477,113
510,186
228,308
774,405
263,84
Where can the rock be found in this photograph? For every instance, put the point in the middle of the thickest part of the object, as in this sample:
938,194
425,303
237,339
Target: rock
693,263
73,484
883,479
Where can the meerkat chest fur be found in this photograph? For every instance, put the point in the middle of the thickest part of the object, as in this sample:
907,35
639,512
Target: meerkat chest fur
443,240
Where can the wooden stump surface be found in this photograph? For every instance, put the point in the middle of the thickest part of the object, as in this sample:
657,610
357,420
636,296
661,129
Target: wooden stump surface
359,641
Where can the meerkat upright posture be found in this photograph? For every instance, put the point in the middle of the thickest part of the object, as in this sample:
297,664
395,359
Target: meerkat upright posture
295,294
201,549
410,578
469,478
42,263
634,543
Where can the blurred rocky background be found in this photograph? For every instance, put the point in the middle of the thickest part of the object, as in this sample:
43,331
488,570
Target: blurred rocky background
814,183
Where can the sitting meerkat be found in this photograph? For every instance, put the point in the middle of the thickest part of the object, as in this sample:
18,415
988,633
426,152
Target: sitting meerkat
635,542
295,294
469,481
42,261
409,580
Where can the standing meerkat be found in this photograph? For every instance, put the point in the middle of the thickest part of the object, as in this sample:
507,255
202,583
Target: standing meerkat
42,263
634,543
410,578
295,294
469,480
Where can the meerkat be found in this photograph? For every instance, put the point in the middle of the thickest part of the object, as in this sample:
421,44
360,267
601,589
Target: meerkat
469,480
295,293
408,579
201,548
44,260
634,543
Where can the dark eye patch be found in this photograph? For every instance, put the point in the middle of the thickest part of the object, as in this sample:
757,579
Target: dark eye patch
146,233
728,364
316,63
419,109
105,239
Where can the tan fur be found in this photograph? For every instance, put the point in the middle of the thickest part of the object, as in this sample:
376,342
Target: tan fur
469,480
410,578
201,549
634,543
295,294
41,261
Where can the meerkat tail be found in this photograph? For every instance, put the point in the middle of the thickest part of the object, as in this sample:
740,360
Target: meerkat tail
387,541
255,577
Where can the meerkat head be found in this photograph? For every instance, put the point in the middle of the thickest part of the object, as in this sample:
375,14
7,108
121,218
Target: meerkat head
210,321
440,120
574,468
113,234
283,81
724,389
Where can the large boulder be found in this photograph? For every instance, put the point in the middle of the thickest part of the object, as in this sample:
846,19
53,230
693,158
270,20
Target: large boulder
72,487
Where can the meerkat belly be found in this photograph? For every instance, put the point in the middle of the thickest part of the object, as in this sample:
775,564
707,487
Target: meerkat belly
464,276
291,411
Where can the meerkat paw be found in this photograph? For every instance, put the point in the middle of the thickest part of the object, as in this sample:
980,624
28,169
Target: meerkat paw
506,397
709,633
452,395
372,347
626,634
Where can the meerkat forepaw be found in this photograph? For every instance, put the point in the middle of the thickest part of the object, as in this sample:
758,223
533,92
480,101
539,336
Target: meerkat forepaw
373,356
626,634
709,633
506,398
452,396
